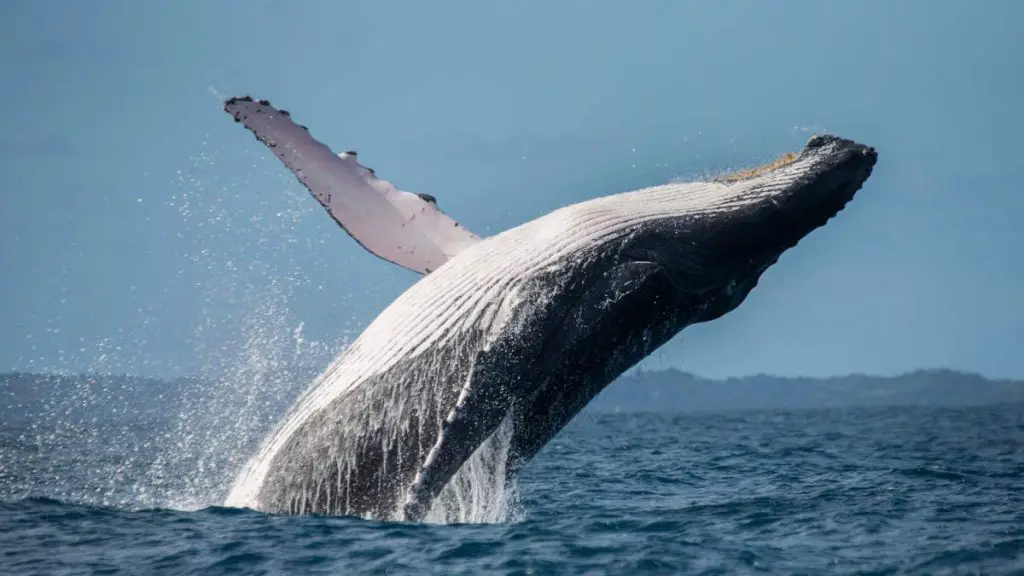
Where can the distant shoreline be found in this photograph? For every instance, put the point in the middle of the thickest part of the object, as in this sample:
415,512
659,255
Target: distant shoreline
663,390
638,371
31,395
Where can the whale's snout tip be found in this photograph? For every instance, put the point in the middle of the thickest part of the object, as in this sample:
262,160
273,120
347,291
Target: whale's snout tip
867,151
824,140
854,159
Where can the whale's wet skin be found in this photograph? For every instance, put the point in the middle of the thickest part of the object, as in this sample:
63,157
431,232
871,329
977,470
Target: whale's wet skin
472,370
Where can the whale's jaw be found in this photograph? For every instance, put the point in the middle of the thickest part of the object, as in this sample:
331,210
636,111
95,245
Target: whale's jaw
798,198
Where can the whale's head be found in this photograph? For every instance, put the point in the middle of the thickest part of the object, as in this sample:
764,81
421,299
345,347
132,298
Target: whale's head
735,227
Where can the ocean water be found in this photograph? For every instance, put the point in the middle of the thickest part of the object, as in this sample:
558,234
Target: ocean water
866,491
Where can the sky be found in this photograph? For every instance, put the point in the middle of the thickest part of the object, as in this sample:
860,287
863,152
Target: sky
143,231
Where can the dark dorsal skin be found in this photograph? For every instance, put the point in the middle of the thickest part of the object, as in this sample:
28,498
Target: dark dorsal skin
634,308
654,303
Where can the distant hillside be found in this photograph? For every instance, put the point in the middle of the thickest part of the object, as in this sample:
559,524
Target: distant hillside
28,397
676,391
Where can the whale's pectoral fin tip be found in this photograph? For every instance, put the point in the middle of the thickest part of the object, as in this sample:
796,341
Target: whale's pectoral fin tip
384,214
475,416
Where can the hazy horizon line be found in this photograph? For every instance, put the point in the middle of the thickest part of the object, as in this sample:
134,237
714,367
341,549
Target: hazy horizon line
632,372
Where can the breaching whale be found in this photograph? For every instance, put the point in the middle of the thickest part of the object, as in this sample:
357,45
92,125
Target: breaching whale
521,328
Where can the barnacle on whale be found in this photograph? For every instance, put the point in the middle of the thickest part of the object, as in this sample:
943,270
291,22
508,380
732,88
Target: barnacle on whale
745,173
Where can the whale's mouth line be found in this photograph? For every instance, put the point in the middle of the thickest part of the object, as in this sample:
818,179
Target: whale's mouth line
832,200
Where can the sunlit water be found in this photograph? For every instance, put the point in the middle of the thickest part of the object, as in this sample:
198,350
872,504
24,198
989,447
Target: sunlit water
908,490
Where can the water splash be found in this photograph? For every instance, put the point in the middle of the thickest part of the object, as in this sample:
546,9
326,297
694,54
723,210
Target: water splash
241,399
180,444
316,462
253,356
177,443
252,347
479,492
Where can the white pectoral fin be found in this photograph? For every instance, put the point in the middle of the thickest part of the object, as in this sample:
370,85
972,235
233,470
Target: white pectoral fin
401,227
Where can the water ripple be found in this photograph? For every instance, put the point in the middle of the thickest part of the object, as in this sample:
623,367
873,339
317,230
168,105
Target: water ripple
867,491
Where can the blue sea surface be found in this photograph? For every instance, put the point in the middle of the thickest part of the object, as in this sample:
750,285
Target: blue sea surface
868,490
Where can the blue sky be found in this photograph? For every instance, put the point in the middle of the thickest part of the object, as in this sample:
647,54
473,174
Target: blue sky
144,231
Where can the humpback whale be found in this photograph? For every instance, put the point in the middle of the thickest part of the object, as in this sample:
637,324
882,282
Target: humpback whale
522,328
